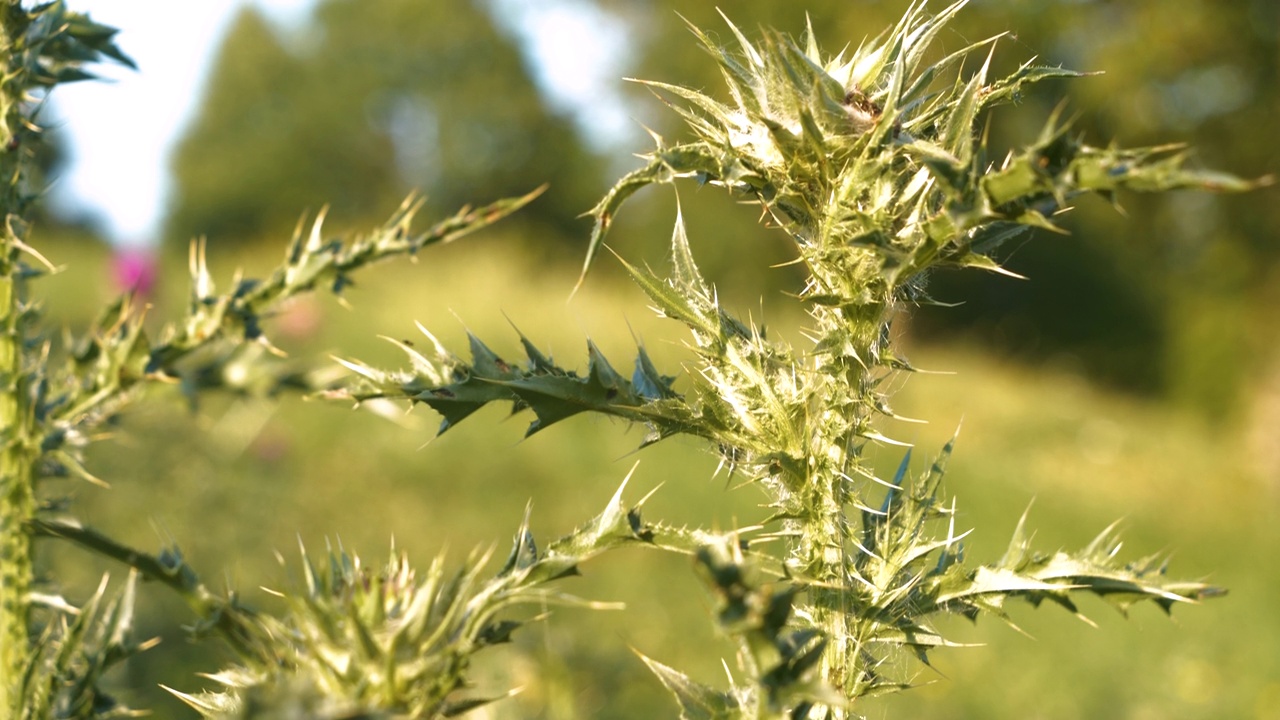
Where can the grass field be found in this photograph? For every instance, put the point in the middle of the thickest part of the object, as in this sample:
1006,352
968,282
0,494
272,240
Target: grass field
241,479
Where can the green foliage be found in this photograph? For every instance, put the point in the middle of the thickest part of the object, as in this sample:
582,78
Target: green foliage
872,164
67,662
39,49
1124,300
220,343
53,406
382,100
383,643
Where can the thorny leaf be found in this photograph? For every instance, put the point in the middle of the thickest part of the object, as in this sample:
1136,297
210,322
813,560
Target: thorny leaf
390,640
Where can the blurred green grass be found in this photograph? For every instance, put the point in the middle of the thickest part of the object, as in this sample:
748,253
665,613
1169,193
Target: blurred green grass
241,481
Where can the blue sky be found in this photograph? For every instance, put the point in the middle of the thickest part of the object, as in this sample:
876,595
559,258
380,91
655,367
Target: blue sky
119,132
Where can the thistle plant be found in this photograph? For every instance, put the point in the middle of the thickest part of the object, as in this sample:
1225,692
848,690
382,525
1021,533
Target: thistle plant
874,165
55,398
871,162
39,49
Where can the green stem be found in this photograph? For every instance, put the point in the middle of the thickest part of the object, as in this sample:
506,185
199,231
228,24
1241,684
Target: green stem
824,543
233,622
17,497
17,451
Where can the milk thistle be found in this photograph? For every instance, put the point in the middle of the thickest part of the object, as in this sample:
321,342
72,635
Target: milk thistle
871,162
874,165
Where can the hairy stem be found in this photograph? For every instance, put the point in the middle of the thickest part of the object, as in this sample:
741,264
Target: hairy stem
17,496
825,538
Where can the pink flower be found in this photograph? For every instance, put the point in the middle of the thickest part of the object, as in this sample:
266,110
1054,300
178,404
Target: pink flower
134,271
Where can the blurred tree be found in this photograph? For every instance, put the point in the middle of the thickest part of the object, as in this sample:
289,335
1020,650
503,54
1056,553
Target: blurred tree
243,161
1196,326
1196,71
360,105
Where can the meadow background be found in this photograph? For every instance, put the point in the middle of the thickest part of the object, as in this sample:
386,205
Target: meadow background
1134,376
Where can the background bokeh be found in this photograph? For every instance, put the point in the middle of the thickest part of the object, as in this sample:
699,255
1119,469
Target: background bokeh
1134,376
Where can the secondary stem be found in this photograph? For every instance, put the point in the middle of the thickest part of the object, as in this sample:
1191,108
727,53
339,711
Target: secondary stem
17,456
17,499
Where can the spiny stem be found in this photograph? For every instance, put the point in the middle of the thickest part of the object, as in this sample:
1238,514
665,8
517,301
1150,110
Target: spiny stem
17,496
